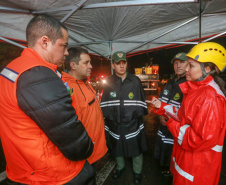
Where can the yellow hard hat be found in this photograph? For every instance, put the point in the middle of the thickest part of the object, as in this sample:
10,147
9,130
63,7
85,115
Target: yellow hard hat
209,52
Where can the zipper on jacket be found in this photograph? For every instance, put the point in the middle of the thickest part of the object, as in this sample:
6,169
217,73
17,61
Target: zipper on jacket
81,90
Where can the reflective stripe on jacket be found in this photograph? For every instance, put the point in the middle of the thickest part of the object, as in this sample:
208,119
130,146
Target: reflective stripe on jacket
171,95
199,137
123,105
31,157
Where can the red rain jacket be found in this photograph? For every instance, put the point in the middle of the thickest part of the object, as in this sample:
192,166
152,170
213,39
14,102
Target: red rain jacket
199,137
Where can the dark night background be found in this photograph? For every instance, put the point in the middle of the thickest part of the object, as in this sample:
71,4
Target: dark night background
161,57
101,66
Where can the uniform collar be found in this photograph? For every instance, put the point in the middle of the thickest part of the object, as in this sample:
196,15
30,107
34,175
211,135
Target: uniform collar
180,80
71,78
128,76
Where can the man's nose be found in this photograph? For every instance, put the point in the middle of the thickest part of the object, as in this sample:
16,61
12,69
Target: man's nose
178,65
121,65
66,52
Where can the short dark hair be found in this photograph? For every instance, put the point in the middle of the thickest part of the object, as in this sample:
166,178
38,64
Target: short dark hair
74,55
41,25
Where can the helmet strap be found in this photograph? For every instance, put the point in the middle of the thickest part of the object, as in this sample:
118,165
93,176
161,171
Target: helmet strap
217,70
204,72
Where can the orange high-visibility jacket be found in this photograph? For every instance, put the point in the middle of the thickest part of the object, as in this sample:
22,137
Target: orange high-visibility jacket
89,112
31,156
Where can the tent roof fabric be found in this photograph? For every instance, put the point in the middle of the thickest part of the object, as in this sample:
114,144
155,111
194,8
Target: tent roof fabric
128,28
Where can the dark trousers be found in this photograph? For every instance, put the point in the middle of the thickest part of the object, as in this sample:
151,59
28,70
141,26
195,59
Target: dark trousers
137,163
87,176
9,182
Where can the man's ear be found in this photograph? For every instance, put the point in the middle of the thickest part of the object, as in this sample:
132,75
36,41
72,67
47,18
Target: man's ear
112,65
73,65
44,42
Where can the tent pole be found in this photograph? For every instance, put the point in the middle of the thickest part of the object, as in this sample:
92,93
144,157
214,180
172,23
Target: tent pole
200,21
110,45
12,42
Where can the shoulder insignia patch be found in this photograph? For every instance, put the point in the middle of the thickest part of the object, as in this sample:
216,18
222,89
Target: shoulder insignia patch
112,94
66,85
177,96
166,92
71,91
131,95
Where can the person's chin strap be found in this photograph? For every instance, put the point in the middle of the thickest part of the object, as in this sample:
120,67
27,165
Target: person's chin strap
204,72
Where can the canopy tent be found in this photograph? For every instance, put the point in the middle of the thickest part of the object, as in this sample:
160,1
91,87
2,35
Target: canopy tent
106,26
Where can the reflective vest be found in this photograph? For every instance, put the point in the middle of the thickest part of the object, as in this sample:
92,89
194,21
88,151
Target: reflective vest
31,157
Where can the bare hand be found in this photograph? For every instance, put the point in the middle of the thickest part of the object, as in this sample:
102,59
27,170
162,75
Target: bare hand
156,102
163,120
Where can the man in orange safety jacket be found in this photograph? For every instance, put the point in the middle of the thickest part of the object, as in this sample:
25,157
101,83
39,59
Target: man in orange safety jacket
43,141
84,100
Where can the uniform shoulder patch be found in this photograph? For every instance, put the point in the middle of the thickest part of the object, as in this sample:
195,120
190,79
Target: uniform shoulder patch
71,91
131,95
177,96
166,92
112,94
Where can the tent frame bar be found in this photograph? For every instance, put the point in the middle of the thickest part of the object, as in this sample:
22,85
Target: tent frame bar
115,4
7,9
75,9
218,35
135,3
155,42
163,34
125,41
12,42
65,8
86,46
